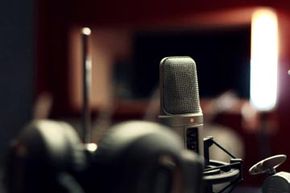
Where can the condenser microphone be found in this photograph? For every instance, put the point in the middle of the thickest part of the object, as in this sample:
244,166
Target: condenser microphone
179,100
180,110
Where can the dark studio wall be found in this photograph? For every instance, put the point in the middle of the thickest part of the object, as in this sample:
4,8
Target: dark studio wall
57,18
16,68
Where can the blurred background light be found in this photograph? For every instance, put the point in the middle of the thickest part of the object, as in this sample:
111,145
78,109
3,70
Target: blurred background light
264,59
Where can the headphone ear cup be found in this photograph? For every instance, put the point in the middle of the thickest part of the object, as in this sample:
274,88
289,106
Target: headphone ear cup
141,157
75,158
42,150
191,170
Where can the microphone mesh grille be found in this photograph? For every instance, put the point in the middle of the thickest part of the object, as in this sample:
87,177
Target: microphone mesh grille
179,86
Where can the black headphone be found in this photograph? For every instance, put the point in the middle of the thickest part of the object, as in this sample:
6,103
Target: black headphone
133,157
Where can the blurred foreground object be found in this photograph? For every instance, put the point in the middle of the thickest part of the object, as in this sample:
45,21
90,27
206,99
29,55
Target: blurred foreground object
278,182
133,157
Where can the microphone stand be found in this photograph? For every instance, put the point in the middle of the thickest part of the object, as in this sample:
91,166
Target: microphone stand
216,172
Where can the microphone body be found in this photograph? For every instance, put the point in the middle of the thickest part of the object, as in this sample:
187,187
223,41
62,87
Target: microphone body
179,100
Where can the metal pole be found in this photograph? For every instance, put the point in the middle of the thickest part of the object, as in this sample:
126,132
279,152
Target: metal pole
86,70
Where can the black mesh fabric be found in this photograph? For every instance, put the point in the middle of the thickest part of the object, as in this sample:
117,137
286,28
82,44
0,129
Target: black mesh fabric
179,86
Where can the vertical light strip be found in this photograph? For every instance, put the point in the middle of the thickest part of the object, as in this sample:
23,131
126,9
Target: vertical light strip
264,59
